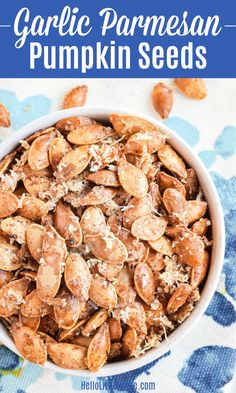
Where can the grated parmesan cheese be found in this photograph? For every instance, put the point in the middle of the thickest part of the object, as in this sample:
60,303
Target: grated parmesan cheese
174,273
24,144
21,200
113,168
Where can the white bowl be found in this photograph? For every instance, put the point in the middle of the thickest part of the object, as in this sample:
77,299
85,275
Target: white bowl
216,214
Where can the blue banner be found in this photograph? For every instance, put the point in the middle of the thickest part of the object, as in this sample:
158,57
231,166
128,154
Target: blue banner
117,38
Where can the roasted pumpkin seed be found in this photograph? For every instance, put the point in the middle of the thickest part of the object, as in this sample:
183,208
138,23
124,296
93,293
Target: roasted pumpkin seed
99,349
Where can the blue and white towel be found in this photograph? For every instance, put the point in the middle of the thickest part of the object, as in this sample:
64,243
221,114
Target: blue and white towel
204,362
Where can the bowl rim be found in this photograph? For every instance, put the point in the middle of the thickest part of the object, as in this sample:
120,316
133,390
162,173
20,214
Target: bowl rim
218,231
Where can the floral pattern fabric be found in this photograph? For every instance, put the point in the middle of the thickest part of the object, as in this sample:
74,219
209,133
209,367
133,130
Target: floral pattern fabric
205,361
